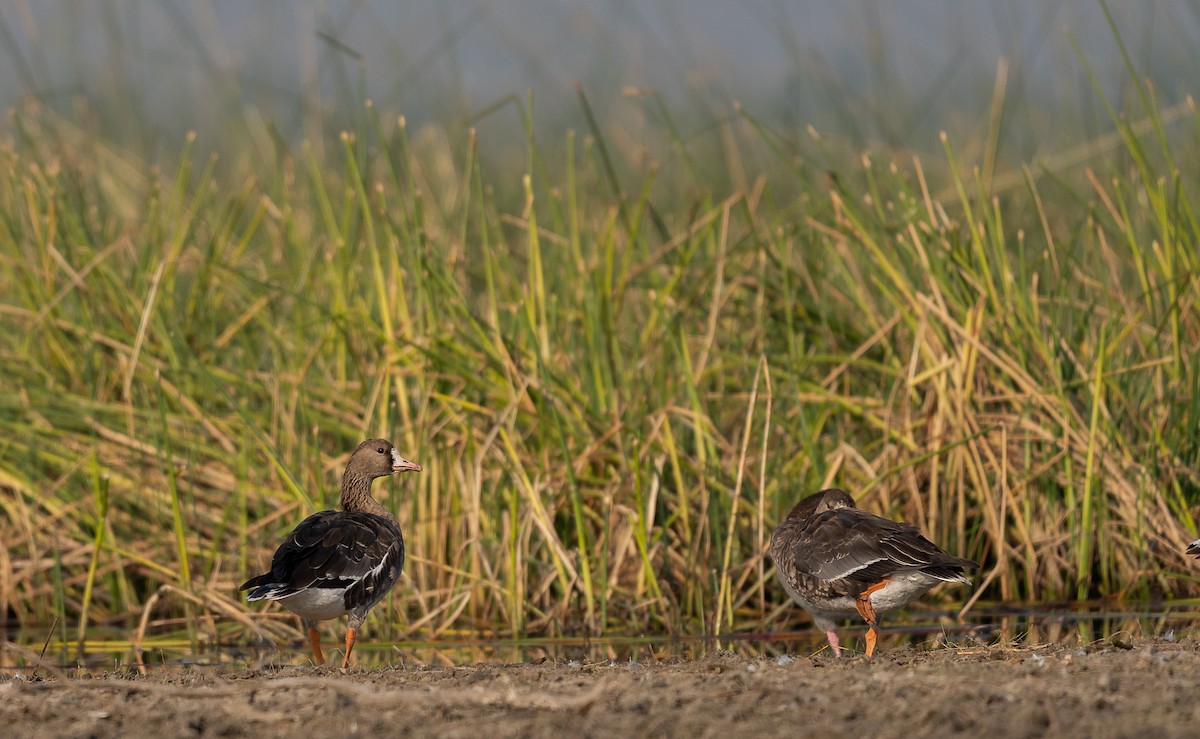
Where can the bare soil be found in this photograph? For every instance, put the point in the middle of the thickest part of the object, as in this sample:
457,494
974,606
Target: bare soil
1115,688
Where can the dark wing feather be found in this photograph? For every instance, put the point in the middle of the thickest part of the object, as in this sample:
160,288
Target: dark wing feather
336,549
854,550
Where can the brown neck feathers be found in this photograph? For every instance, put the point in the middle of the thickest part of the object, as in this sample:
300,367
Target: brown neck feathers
356,495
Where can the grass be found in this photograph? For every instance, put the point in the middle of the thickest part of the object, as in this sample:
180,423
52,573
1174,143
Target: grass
616,377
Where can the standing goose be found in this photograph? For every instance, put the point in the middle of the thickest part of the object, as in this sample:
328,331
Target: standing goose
340,562
836,560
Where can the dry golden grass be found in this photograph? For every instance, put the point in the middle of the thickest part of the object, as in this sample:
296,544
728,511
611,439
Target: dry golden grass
614,392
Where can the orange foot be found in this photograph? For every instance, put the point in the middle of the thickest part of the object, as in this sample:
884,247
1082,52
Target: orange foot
314,640
351,636
867,611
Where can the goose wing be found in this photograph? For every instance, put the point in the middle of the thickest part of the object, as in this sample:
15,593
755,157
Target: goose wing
360,553
860,549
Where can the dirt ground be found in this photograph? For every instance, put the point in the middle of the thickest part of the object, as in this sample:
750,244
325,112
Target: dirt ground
1115,688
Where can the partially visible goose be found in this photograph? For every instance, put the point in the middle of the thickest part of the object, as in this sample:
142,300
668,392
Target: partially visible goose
1194,548
339,562
835,561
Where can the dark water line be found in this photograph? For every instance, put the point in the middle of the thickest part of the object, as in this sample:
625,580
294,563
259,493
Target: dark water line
989,623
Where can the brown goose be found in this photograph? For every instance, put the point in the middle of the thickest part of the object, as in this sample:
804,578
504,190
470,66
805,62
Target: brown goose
340,562
835,561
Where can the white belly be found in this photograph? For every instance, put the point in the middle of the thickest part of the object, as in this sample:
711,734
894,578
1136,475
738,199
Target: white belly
900,590
317,604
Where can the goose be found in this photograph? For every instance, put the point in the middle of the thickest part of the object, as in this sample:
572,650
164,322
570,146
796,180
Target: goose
342,561
835,560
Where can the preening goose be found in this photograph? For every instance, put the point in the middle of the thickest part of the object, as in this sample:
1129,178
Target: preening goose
836,560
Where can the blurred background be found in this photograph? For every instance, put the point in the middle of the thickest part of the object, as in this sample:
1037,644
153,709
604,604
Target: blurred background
871,72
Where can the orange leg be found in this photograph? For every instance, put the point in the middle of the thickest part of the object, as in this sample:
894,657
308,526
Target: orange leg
314,640
351,636
867,611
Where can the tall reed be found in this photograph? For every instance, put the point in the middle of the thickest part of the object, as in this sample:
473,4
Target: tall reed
616,377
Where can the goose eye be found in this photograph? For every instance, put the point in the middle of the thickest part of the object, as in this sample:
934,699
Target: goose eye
379,449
